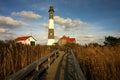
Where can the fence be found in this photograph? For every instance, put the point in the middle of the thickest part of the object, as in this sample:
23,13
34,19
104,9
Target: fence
33,66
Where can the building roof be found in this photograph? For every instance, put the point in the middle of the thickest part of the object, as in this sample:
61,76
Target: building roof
23,38
68,39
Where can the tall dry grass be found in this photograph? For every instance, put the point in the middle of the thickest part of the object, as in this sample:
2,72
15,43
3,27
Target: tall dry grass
98,62
15,56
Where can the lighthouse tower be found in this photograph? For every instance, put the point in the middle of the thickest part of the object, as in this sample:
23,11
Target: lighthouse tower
51,27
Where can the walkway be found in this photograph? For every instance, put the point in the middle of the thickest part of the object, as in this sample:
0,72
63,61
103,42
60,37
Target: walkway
56,71
61,69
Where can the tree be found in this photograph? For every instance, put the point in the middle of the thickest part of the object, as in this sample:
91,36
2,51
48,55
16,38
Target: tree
112,40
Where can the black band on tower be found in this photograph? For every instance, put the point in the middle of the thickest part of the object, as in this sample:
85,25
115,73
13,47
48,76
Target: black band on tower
50,33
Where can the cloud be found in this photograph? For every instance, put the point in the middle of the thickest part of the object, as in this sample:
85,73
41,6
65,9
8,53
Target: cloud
10,22
65,23
68,22
44,38
45,25
8,35
2,30
90,36
27,14
85,39
118,33
57,36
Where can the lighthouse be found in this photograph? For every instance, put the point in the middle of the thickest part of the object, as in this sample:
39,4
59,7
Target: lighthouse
51,27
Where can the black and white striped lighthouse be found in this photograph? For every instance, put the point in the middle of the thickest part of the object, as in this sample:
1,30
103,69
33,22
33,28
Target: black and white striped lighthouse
51,27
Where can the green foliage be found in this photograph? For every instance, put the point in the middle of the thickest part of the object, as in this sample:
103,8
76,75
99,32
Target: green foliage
112,40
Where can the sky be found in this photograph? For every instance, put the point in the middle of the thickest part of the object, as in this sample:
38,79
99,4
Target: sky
86,20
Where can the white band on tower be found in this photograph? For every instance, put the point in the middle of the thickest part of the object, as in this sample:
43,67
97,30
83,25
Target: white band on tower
51,24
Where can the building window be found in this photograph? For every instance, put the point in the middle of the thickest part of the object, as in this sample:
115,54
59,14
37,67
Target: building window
32,43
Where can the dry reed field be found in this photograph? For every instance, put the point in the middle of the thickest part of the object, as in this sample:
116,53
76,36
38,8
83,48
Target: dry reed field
15,56
99,62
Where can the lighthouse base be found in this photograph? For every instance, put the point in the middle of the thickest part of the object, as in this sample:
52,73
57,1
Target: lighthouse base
50,42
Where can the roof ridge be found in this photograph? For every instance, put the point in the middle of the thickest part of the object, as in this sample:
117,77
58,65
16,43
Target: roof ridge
22,38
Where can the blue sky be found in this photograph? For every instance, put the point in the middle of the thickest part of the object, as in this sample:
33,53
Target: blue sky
86,20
